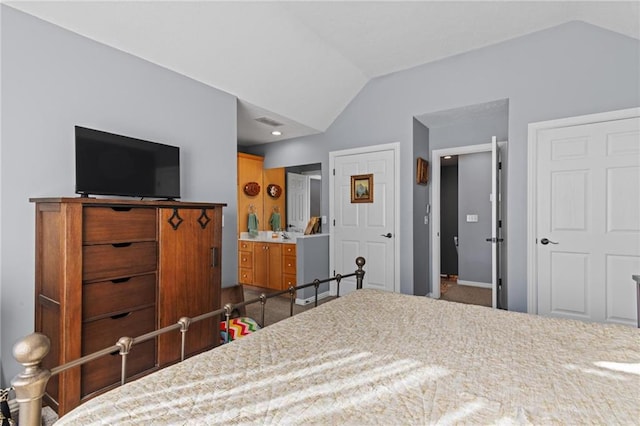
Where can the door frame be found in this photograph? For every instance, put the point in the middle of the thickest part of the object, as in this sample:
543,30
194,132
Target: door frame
395,147
436,155
532,187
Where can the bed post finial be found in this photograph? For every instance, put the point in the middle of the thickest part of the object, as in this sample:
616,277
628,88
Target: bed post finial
360,272
31,383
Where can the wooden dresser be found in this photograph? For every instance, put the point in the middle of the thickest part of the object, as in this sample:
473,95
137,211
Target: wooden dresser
109,268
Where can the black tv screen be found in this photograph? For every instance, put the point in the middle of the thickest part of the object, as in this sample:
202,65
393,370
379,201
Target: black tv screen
109,164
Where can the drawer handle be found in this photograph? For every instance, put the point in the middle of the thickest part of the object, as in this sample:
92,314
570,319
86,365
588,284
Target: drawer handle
214,257
120,280
115,317
119,245
121,209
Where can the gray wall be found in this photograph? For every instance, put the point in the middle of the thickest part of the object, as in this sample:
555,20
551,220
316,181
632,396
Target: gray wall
315,194
448,219
474,189
568,70
53,79
312,262
469,125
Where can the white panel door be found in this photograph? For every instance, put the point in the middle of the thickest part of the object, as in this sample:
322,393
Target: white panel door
365,229
298,202
588,220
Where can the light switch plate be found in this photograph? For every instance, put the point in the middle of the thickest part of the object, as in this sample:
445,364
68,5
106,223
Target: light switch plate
472,218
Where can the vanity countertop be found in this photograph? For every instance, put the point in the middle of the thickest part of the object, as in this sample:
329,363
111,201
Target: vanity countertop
267,237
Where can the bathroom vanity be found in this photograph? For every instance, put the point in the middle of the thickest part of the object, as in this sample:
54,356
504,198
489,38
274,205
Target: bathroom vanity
277,263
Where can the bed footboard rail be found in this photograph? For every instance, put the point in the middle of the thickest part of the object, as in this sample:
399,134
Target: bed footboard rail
29,385
358,274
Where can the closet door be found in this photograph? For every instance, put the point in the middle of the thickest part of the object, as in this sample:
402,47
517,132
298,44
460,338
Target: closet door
189,277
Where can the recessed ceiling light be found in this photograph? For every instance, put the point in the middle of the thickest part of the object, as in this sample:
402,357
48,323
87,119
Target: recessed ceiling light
276,133
447,157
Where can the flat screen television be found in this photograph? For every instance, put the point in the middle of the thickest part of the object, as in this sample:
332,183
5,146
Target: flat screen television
109,164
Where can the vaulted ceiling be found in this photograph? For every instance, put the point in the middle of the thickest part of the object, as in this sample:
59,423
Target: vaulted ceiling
300,63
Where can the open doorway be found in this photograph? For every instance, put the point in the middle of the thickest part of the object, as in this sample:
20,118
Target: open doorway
465,221
476,232
304,195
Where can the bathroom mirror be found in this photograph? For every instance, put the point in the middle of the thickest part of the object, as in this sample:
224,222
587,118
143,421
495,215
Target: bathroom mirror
303,195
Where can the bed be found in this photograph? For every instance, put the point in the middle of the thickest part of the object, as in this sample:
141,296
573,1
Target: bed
369,358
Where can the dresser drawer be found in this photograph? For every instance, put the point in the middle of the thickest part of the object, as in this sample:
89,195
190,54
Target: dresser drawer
289,249
289,265
245,276
245,245
288,281
108,261
113,297
101,333
245,259
118,224
105,371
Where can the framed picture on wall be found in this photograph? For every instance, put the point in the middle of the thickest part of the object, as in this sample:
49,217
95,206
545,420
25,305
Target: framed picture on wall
422,172
362,188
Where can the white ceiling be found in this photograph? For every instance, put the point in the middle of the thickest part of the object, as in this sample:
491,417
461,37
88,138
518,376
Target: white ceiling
301,62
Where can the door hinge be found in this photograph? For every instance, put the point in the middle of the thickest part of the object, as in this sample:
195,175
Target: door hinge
334,172
334,222
500,224
334,272
500,165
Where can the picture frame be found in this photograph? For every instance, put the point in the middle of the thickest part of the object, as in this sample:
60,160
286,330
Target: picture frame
422,171
362,188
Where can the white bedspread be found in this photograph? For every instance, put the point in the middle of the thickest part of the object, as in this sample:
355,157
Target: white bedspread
380,358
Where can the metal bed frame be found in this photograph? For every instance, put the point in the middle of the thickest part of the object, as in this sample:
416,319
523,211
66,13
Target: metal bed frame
30,384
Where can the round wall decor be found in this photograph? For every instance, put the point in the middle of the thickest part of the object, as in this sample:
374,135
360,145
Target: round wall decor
274,190
252,189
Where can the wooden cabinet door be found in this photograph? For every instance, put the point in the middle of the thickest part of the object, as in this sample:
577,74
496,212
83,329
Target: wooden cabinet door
267,265
260,264
250,170
274,252
189,277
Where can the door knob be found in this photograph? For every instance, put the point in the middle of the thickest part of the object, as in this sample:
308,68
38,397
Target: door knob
387,235
546,241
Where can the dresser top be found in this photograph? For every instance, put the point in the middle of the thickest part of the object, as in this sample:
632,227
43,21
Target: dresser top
90,201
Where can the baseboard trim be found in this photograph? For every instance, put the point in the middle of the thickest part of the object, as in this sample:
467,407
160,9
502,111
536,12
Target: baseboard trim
312,299
475,284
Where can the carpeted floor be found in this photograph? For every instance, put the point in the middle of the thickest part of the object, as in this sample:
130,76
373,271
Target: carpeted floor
450,290
276,308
